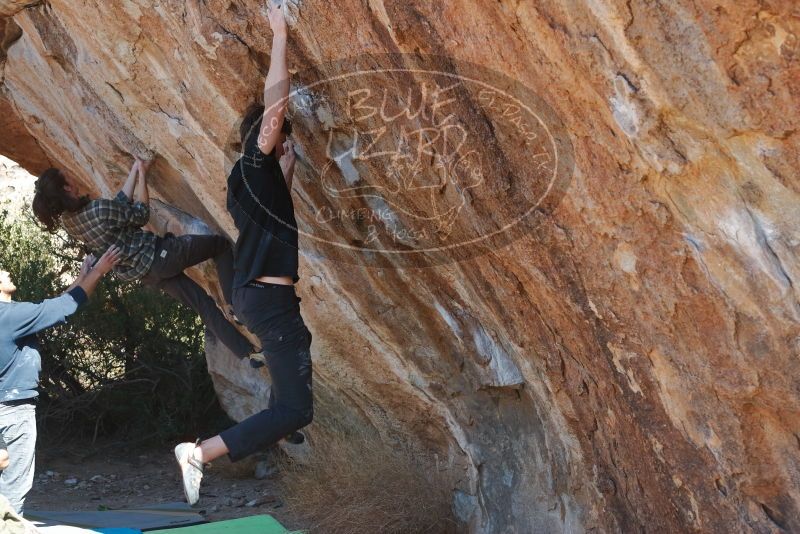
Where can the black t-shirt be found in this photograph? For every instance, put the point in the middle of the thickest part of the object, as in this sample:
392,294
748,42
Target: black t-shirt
261,206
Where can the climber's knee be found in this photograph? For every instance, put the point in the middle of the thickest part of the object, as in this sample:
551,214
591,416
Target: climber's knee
301,418
308,416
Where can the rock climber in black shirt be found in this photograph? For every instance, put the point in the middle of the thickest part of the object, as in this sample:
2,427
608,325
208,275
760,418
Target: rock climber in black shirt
266,262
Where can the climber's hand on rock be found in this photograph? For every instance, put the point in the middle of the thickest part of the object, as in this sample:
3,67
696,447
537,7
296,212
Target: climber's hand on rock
144,164
277,22
289,155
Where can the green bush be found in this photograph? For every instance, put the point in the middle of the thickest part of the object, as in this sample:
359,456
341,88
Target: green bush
129,364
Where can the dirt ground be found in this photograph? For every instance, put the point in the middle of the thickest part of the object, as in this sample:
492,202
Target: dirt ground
109,478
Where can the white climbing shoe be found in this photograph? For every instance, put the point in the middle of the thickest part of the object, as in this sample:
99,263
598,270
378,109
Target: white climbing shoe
191,471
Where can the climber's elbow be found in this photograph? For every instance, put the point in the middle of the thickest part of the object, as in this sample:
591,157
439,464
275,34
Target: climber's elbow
270,133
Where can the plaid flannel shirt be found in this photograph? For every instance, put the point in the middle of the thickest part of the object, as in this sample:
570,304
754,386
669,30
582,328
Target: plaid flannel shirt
106,222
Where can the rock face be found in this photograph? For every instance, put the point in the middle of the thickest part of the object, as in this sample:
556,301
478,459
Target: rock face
628,362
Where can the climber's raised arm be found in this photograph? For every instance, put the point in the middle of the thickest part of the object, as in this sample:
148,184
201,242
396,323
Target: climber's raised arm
142,194
130,182
124,210
276,86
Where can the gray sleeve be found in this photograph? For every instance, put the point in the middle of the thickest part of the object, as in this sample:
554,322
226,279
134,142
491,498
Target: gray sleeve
24,318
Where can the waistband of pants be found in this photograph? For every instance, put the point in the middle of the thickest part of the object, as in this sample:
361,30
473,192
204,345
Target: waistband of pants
160,241
265,285
19,402
270,300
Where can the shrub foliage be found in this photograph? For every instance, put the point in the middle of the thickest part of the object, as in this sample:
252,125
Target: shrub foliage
129,364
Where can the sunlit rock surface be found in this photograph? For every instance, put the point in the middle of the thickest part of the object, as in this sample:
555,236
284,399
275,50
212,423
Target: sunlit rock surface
627,364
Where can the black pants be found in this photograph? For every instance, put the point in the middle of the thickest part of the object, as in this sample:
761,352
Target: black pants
173,255
272,312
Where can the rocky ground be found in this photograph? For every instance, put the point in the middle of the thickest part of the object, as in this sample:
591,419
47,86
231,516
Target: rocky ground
115,478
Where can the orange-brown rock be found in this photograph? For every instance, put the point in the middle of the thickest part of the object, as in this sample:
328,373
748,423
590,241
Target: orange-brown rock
628,362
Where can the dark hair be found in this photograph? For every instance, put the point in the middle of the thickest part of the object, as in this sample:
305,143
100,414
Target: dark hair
50,200
251,123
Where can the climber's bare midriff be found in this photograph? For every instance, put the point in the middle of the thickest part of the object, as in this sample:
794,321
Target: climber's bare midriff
280,280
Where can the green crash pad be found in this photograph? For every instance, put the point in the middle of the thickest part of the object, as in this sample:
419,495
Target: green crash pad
257,524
